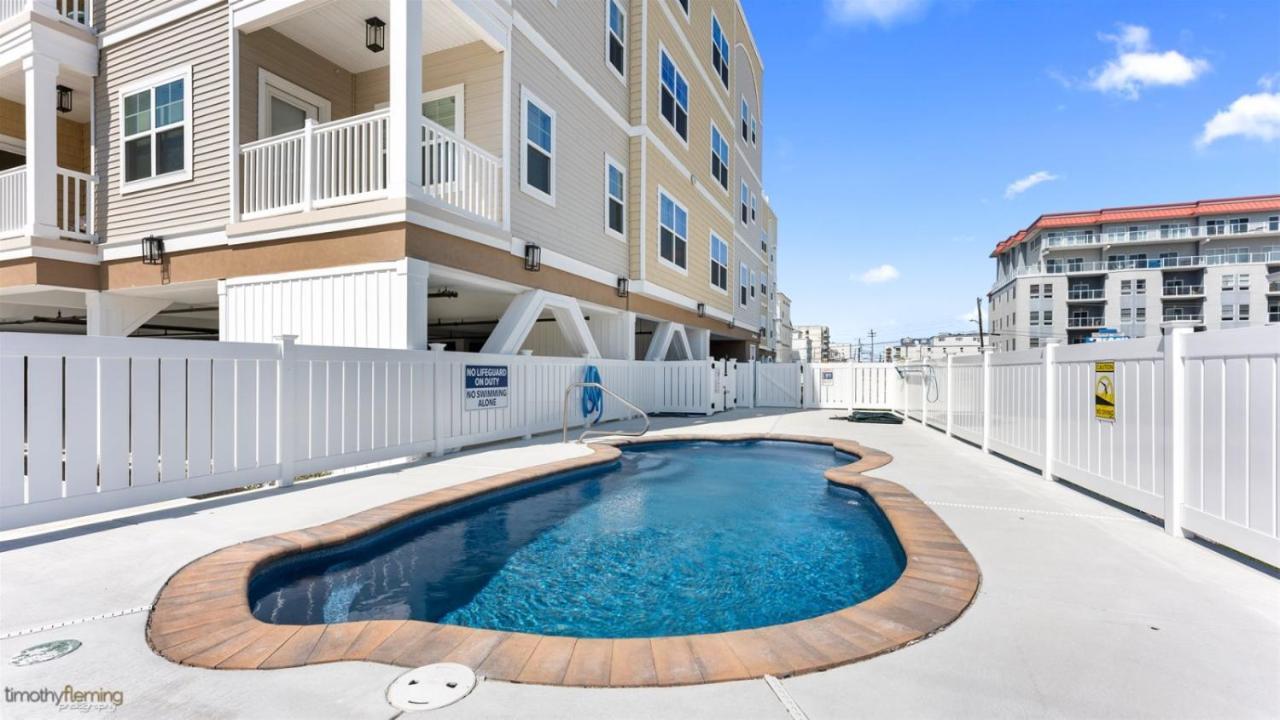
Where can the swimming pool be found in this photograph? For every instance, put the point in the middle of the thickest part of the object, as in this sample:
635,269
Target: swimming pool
673,538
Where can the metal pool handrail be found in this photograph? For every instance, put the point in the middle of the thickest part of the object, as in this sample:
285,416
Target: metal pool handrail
564,415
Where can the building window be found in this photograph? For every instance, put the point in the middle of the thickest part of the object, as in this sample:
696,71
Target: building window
1139,287
753,207
539,149
1240,225
719,51
1243,314
1273,223
615,198
1035,342
616,37
719,158
1126,287
156,129
1035,292
1228,282
719,263
746,121
1273,311
675,97
673,232
744,282
1047,317
1140,314
1126,315
753,129
1242,281
1035,317
764,241
1215,227
684,5
744,196
752,280
1228,312
1047,291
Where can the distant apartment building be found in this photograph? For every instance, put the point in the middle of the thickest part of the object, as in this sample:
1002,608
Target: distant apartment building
841,352
1127,271
812,343
937,347
783,330
567,178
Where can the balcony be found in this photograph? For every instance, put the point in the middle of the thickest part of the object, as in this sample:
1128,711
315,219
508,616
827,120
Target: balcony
1187,317
1273,288
1165,234
1086,294
73,204
1085,322
1174,291
76,12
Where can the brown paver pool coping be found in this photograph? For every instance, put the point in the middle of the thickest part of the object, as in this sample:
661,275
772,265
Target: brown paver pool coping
201,616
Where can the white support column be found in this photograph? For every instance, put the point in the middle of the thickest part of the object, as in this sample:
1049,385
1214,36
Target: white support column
1050,406
924,392
114,315
411,279
1175,412
986,399
285,422
41,78
950,404
404,126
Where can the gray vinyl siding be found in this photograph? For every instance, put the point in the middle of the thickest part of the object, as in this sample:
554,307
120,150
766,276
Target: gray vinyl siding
759,303
272,51
746,83
112,15
575,226
199,40
576,29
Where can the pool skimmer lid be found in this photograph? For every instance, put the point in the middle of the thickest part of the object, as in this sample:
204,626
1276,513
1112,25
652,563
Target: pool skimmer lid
431,686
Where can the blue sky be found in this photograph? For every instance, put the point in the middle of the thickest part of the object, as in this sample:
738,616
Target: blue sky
897,132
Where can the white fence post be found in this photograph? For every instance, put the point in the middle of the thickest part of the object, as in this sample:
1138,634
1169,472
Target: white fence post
986,400
1050,406
950,404
308,163
1175,410
286,375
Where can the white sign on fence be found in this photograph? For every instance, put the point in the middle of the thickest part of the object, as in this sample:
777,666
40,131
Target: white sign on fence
486,387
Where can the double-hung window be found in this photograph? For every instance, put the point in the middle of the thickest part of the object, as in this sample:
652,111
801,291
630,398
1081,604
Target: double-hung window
674,97
744,199
719,158
1239,225
156,126
616,38
539,149
1215,227
673,232
719,51
746,121
744,284
764,241
753,207
1273,223
614,198
753,283
753,129
719,263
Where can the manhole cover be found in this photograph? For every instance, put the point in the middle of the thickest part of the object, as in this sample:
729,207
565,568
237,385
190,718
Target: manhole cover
431,686
44,652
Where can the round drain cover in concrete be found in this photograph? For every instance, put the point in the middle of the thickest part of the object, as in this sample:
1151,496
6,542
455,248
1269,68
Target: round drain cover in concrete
44,652
431,686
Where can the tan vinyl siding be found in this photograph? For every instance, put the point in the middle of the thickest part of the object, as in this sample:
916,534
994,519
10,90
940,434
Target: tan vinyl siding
583,134
746,84
275,53
112,15
475,66
576,29
202,203
636,190
73,137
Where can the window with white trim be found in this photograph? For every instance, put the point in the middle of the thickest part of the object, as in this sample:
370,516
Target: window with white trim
719,263
744,196
539,149
684,5
719,51
156,129
674,96
753,129
673,231
615,202
764,241
753,283
615,36
753,207
746,119
744,283
719,157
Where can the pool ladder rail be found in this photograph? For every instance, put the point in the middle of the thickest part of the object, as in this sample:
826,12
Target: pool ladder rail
564,416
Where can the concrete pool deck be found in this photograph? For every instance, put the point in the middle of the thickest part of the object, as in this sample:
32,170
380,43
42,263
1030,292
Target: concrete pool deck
1084,610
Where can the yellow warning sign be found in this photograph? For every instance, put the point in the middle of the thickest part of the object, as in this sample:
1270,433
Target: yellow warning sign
1104,390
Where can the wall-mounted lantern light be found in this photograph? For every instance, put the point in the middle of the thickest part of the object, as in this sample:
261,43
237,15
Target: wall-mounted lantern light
64,99
624,287
702,309
375,34
532,257
152,250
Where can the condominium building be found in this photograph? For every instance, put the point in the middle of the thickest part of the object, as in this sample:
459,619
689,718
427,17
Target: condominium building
936,347
812,343
1127,271
567,178
783,330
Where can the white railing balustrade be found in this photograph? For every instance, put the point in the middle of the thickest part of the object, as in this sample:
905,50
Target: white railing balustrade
459,174
13,200
77,11
75,204
9,8
350,159
1177,290
1183,317
1086,294
1084,322
272,174
1154,234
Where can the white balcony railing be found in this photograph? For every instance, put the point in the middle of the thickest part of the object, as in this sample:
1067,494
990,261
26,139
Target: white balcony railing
345,161
1182,290
73,204
1084,322
1086,294
78,12
1173,233
1183,317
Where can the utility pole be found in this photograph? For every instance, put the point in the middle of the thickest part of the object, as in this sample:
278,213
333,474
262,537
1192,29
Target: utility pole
981,338
859,350
873,344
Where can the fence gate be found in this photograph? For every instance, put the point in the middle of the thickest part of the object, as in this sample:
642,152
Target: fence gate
747,385
730,383
778,385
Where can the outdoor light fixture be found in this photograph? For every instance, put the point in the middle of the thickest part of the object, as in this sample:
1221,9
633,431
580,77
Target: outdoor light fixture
624,287
152,250
375,34
64,99
532,257
702,309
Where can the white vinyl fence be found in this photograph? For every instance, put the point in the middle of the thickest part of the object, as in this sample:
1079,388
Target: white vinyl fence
1193,440
90,424
847,386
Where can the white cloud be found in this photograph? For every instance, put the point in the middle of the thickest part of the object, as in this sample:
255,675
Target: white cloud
882,12
1250,116
1137,65
881,274
1021,185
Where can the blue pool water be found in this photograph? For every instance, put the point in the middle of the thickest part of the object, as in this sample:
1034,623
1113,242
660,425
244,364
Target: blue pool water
676,538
